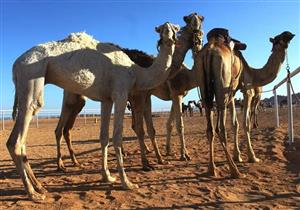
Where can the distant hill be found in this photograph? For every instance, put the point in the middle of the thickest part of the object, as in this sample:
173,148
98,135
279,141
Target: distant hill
282,99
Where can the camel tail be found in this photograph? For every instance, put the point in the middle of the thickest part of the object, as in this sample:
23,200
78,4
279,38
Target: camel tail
209,84
15,107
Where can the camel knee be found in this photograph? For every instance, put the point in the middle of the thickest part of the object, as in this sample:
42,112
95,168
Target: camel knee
13,148
235,127
151,133
217,130
117,142
169,125
58,133
180,128
66,133
246,124
140,132
37,103
210,134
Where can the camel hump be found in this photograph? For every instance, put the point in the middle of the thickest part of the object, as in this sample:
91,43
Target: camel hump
73,42
223,34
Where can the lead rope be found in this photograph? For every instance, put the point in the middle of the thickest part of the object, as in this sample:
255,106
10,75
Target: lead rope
231,93
289,79
197,41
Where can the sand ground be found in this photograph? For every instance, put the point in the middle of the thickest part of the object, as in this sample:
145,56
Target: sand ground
274,183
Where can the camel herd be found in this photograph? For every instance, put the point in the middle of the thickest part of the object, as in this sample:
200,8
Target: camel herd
87,68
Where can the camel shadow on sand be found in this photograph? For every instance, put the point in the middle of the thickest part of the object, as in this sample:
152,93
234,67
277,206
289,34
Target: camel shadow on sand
219,204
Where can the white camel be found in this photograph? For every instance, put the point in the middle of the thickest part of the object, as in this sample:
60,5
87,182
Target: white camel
82,65
173,89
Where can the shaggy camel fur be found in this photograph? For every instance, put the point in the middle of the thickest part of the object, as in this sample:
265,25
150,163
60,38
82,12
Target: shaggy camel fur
190,37
84,66
252,78
224,72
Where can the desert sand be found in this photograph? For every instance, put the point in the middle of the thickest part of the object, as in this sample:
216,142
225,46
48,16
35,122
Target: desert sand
274,183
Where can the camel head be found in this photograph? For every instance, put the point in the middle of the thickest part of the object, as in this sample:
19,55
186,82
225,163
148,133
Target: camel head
282,40
194,24
167,34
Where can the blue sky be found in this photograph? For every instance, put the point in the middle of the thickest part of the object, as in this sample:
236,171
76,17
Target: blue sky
130,24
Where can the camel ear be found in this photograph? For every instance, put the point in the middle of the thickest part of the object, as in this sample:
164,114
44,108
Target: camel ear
158,29
186,19
176,27
271,40
201,18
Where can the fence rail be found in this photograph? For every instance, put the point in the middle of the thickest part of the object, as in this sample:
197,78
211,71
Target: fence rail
6,115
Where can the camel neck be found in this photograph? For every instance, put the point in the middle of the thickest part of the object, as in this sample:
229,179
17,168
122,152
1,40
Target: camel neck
259,77
183,44
157,73
184,81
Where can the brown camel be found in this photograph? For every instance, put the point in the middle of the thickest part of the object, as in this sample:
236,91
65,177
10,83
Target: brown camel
190,37
249,80
221,72
252,78
218,71
84,66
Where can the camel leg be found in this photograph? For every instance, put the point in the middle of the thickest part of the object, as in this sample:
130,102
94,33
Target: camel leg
223,139
58,136
151,130
177,101
64,116
235,129
210,133
133,126
104,139
138,106
72,105
69,125
169,127
29,104
247,124
255,112
119,111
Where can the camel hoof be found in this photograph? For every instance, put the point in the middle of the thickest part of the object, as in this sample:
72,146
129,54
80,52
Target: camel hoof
185,157
130,186
238,159
41,190
147,150
168,152
148,167
254,160
76,163
109,179
163,162
160,160
37,197
212,171
237,175
61,168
